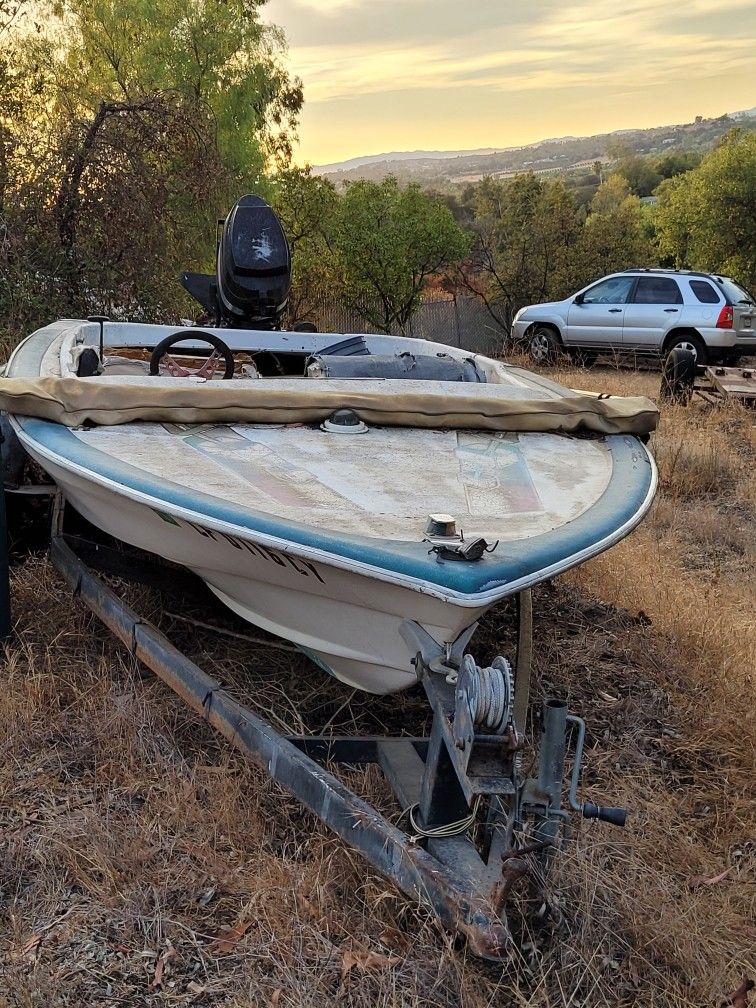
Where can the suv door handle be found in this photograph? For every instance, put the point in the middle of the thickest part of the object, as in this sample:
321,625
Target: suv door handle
671,309
613,311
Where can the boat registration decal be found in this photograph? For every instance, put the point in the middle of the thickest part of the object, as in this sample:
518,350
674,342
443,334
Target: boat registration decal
303,567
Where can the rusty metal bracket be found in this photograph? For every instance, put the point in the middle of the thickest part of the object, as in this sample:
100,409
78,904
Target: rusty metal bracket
479,762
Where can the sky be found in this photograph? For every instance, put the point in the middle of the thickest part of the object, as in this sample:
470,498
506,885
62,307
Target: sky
398,75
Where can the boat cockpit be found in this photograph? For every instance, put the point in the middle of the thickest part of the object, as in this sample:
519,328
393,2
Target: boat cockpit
204,354
240,334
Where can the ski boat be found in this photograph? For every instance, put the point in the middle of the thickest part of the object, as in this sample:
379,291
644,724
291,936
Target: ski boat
331,534
328,488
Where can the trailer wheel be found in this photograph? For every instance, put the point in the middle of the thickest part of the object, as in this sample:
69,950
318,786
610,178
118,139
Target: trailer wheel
678,376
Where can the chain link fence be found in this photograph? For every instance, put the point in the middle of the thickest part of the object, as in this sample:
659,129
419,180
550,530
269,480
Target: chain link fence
462,322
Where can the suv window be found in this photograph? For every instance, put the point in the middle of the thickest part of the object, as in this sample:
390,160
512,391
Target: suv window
657,290
704,292
735,293
615,290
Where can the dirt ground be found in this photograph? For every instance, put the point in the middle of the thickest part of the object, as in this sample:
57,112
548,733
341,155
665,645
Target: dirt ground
143,862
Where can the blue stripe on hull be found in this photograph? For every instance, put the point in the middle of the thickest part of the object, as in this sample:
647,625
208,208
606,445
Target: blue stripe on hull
627,492
623,498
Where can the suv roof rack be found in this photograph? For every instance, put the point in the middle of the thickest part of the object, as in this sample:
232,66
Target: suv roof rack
662,269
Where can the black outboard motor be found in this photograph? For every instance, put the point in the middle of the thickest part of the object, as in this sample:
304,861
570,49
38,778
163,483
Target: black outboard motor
253,275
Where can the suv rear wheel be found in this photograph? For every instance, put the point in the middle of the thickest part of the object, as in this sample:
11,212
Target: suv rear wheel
544,345
693,344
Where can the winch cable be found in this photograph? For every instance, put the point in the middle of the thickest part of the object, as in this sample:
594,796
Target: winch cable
446,830
490,693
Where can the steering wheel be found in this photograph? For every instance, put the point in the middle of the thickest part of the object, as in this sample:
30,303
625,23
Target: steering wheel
221,352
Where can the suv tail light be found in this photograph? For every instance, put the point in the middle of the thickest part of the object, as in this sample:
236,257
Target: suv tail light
725,318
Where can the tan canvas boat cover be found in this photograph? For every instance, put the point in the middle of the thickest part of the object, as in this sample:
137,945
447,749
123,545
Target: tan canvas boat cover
118,399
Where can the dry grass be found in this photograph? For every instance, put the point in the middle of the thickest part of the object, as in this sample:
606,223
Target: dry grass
133,838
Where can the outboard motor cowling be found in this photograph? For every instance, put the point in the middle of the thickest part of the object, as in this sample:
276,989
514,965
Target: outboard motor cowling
253,272
254,263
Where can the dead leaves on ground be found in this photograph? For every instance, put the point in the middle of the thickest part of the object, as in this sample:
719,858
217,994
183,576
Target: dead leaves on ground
700,880
353,958
364,960
229,938
739,997
27,949
30,948
162,967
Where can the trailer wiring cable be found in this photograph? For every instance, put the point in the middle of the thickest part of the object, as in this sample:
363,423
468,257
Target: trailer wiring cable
444,831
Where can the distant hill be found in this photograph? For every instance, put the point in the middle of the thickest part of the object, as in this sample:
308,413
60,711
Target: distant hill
358,162
556,155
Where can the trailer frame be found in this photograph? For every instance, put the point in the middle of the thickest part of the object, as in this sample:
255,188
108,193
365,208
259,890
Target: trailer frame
443,777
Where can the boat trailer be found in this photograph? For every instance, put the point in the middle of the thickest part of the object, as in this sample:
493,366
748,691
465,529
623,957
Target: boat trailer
734,384
682,379
475,823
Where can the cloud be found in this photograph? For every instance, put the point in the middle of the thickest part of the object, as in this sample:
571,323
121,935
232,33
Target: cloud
330,8
379,71
397,23
554,57
371,68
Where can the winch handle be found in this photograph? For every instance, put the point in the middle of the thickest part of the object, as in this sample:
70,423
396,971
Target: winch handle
606,813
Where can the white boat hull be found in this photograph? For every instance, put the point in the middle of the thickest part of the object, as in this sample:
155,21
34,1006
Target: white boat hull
320,536
348,622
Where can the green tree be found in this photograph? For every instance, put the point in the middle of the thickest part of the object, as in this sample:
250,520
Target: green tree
186,104
640,171
524,232
214,53
611,194
677,162
306,204
614,235
128,128
132,178
24,176
388,241
706,218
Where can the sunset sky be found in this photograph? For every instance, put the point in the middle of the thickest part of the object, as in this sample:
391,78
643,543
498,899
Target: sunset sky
395,75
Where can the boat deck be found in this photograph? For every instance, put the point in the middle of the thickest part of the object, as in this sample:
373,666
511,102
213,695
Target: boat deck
357,501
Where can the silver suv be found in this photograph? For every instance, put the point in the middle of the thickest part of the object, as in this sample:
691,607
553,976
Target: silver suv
649,311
